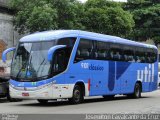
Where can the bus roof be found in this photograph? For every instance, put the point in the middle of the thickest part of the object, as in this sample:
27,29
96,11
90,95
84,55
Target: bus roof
56,34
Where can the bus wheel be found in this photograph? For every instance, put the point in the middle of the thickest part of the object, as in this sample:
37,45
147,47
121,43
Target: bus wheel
137,91
77,95
108,97
41,101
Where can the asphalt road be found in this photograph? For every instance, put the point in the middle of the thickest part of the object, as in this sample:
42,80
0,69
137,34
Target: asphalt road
149,103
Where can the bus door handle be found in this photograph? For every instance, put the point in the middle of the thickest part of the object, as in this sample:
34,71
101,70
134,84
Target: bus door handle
72,77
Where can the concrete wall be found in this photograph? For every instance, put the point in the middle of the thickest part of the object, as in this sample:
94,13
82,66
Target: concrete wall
6,29
9,37
4,2
7,32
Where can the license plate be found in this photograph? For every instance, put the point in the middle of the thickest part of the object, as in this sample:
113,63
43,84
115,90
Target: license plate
25,94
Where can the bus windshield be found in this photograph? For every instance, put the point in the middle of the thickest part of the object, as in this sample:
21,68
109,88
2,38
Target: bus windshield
30,61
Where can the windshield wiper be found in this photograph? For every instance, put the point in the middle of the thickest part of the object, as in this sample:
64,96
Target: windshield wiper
19,72
40,65
29,63
37,78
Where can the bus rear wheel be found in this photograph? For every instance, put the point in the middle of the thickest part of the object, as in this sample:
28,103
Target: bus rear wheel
41,101
137,91
77,96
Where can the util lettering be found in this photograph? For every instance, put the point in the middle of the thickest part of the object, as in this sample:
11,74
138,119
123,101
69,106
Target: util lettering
147,74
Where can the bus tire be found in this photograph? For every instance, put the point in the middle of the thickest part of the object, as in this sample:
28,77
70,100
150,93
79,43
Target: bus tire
41,101
77,96
137,91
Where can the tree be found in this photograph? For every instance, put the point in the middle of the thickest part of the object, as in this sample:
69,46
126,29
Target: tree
147,18
40,15
95,15
108,17
34,15
101,4
69,13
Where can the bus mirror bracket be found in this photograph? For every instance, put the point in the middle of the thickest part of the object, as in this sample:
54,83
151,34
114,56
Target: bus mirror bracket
53,49
4,54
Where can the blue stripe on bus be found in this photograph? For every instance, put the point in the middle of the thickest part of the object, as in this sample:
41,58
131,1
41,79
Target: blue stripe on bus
111,77
114,68
30,84
121,69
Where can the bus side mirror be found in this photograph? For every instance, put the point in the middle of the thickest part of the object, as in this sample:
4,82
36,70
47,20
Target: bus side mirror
52,50
4,54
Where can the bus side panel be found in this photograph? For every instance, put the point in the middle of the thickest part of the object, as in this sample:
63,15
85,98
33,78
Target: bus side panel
129,73
126,74
102,76
148,75
91,73
103,81
114,84
154,82
115,78
79,72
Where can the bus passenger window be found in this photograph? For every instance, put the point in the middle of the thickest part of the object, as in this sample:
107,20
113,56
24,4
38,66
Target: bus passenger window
115,55
153,58
101,50
116,52
84,50
84,53
102,54
137,57
151,55
142,58
111,55
129,56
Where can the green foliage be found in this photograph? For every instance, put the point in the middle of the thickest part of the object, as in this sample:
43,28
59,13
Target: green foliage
156,39
42,18
101,4
147,18
69,13
40,15
101,16
108,17
34,15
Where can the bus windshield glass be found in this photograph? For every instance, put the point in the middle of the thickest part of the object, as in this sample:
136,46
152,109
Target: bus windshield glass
30,61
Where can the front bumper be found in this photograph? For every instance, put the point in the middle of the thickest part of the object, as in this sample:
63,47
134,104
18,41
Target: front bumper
52,91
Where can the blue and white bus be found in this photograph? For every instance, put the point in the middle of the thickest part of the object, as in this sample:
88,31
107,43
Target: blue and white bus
73,64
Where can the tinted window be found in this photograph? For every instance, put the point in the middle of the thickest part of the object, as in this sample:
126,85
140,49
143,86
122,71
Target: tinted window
153,55
145,55
69,42
85,50
101,50
116,52
129,54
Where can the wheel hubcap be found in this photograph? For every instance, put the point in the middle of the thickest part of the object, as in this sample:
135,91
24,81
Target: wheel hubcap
77,95
137,91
